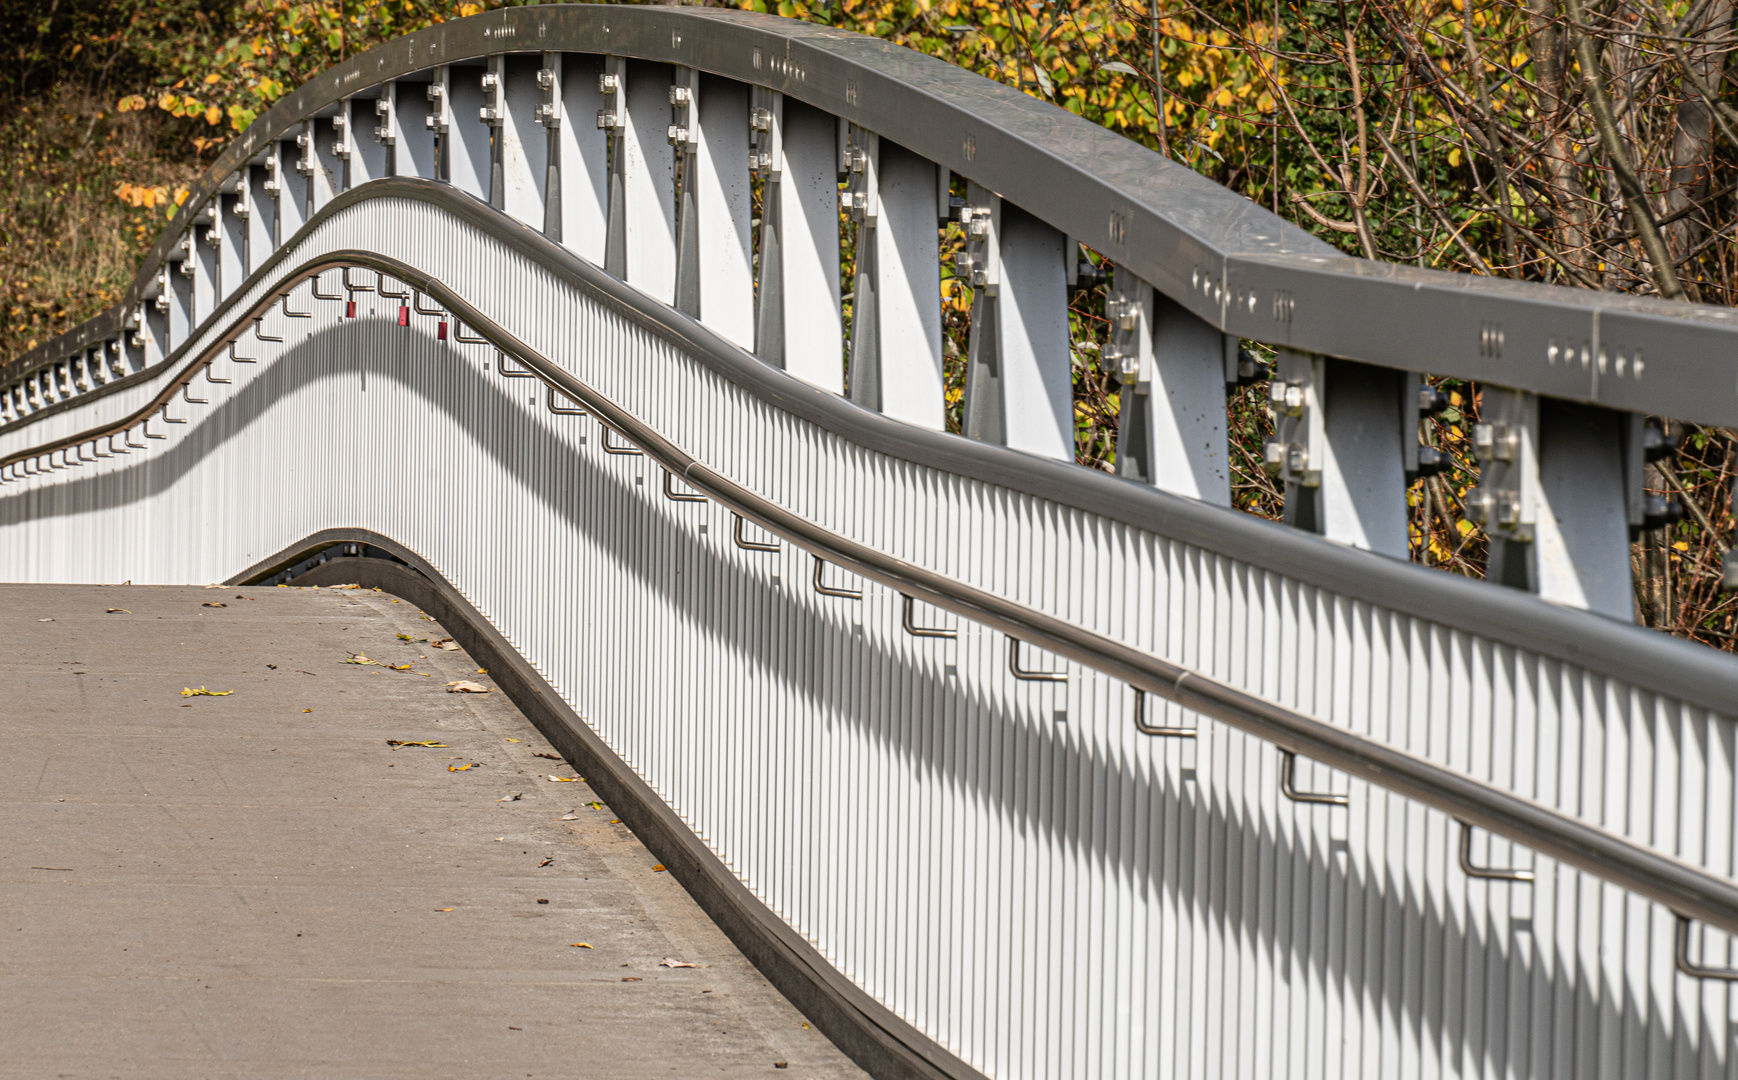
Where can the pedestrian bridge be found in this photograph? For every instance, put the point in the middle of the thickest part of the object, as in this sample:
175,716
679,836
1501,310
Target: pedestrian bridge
994,764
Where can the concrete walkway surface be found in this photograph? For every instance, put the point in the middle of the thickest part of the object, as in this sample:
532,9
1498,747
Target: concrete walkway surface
258,885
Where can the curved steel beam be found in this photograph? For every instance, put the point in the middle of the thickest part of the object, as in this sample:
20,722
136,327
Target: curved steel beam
1232,263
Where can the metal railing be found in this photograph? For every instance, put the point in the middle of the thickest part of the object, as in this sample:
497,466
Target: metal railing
1496,710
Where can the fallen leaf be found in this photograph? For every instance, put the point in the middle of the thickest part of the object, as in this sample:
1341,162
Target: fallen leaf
214,586
547,861
307,710
407,667
781,1064
657,868
615,821
213,605
203,692
515,797
45,620
274,667
672,962
595,805
541,754
395,743
119,611
515,740
632,978
510,1027
569,816
358,658
463,687
564,779
404,637
445,643
343,586
462,768
542,901
577,944
443,909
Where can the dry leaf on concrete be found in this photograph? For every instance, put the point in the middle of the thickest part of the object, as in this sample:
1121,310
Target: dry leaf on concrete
672,962
203,692
464,687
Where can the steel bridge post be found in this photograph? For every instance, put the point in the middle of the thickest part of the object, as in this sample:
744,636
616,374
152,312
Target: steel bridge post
798,325
1172,429
1555,499
1339,426
205,264
262,219
414,149
233,212
716,270
896,352
326,166
648,183
580,162
289,188
370,156
466,141
519,173
1019,383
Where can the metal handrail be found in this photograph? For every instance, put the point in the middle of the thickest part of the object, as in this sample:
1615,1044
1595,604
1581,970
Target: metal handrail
829,590
1685,889
1024,675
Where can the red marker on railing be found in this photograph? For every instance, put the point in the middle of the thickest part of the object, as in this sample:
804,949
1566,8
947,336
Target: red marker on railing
349,309
441,330
403,315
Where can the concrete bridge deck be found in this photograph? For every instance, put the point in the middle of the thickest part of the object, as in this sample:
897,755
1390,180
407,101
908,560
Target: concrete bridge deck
258,884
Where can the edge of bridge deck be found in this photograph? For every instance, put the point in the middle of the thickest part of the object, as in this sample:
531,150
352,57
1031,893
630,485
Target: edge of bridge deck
865,1030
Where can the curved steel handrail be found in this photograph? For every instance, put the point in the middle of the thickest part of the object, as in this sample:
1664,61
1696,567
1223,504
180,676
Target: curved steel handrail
1690,673
1224,258
1685,889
